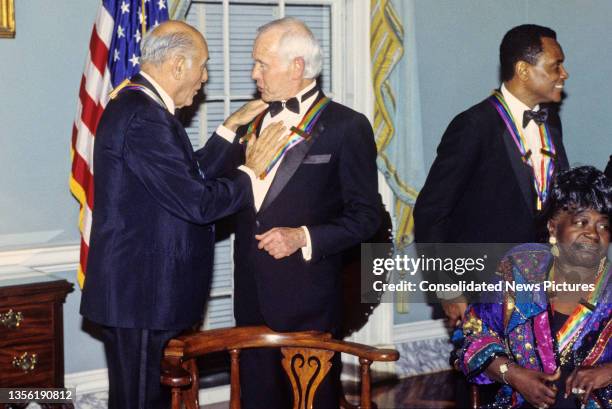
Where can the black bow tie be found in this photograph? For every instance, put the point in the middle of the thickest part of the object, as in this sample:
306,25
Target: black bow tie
539,117
292,104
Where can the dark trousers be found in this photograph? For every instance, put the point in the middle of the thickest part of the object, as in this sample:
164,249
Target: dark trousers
134,358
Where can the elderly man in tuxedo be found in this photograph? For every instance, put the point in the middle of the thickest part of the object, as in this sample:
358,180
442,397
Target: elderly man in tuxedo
496,161
152,235
318,199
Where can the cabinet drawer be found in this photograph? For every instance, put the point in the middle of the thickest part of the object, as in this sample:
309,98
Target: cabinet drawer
36,321
42,373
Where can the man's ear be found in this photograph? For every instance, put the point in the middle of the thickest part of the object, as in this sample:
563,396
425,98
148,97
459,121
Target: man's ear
297,66
179,63
521,70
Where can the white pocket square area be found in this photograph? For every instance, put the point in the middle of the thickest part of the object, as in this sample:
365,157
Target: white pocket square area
316,159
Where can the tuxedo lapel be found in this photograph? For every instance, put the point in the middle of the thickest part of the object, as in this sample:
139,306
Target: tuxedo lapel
289,164
522,171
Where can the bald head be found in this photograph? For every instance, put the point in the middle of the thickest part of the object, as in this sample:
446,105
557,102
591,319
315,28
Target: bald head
175,54
169,39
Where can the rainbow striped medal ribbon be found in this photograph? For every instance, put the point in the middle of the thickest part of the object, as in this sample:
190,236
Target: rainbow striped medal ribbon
127,84
568,334
298,134
548,150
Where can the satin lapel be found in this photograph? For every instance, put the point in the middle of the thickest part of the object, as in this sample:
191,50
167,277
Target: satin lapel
522,171
289,165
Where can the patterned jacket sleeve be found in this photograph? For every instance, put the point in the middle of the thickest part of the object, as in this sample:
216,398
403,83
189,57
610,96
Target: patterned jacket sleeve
483,335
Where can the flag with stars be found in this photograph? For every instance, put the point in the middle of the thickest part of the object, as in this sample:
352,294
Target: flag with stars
114,53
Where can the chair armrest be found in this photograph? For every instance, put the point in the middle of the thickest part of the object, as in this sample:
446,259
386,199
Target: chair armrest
174,376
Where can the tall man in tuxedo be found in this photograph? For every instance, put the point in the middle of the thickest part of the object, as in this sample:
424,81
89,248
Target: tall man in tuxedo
488,181
318,200
152,235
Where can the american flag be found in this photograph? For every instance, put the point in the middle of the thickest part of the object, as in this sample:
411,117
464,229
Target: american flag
114,52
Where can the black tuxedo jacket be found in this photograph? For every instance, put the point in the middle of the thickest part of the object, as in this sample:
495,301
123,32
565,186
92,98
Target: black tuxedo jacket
478,189
328,184
151,244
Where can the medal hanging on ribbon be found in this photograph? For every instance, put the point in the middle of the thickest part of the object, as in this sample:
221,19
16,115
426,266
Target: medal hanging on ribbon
127,84
298,134
569,332
547,165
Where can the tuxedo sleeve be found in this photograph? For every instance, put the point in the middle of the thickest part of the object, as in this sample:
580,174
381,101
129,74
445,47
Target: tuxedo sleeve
155,154
457,157
359,189
215,157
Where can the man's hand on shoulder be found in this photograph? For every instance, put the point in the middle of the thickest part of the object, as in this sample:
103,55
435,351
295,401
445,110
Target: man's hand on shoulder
260,151
282,242
245,114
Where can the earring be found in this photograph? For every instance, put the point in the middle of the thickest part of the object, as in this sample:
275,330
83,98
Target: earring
554,250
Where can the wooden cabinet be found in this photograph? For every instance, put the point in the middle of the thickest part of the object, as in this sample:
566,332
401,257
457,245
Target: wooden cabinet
31,332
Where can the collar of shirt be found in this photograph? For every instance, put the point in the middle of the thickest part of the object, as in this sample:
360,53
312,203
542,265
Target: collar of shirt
163,94
531,132
517,107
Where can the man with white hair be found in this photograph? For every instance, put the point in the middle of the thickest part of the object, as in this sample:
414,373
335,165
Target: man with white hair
152,236
318,199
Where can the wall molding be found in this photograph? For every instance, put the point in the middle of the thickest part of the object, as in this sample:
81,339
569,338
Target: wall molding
25,262
215,394
96,381
88,381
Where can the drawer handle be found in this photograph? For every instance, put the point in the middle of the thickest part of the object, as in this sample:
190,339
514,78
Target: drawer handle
11,319
26,362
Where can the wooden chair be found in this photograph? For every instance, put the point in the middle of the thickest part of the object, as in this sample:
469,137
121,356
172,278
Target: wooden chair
179,370
474,396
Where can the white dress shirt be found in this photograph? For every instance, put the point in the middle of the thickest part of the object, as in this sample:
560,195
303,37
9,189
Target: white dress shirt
531,132
163,94
289,118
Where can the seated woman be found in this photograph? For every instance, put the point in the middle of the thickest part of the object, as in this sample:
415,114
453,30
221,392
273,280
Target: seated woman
550,347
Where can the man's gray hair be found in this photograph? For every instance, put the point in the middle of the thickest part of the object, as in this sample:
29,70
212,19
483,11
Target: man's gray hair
155,49
297,41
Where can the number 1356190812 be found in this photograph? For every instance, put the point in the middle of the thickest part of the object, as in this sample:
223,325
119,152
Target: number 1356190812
38,395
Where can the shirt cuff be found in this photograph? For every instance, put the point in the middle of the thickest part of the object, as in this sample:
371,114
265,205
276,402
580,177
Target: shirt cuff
307,249
249,172
225,133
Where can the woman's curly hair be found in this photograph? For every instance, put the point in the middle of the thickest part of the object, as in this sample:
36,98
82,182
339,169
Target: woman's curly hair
581,188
